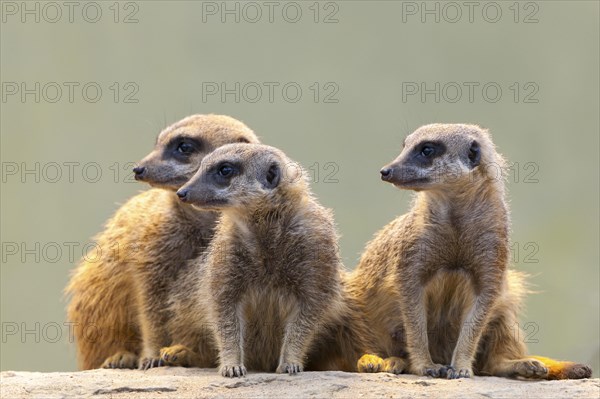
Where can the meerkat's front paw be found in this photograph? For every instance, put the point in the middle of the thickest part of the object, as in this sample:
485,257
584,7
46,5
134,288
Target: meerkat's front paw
529,368
459,372
290,368
177,355
432,370
151,362
121,360
238,370
370,364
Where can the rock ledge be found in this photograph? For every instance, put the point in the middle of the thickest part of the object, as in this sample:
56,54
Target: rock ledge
177,382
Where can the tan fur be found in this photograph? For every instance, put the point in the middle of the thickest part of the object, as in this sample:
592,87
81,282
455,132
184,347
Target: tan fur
121,297
271,276
435,281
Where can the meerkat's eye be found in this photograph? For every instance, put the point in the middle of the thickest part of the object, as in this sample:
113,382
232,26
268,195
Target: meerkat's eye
225,171
427,151
185,148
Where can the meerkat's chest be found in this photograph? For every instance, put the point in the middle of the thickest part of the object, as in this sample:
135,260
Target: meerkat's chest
276,267
451,249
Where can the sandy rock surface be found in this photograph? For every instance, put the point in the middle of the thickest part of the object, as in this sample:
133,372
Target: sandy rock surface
200,383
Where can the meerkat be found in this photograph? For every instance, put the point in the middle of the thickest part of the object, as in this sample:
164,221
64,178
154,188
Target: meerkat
119,299
271,275
435,283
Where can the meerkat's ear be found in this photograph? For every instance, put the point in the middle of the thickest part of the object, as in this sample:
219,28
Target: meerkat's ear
272,176
474,154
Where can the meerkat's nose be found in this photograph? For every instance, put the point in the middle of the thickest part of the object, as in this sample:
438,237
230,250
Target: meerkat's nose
139,171
182,194
386,173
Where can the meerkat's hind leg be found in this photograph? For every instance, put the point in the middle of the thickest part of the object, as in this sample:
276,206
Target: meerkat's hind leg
374,364
394,365
561,370
520,368
178,356
370,364
121,360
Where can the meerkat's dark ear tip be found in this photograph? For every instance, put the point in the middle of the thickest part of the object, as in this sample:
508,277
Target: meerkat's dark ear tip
474,154
273,176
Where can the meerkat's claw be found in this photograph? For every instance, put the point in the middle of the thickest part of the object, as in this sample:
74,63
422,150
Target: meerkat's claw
151,362
460,373
233,371
290,368
433,370
121,360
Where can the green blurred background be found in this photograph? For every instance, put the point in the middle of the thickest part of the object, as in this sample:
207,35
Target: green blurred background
365,57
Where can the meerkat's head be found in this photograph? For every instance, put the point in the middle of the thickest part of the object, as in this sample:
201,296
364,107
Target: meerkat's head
242,177
181,147
437,156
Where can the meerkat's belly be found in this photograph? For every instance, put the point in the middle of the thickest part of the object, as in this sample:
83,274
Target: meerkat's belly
265,313
449,297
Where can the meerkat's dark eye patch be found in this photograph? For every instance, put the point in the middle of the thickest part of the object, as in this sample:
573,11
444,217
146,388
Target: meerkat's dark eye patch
474,154
425,152
224,172
182,147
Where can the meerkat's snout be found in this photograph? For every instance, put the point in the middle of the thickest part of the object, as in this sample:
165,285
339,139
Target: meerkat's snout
386,173
139,172
398,174
182,194
402,175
